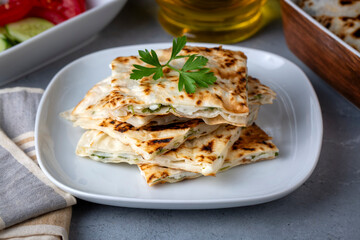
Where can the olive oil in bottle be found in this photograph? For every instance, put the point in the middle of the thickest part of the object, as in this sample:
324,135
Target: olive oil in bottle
221,21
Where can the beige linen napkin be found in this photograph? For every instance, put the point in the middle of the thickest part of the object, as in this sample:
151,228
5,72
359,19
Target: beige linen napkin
31,207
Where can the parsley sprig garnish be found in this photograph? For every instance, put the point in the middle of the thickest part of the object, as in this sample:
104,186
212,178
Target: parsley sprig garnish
192,75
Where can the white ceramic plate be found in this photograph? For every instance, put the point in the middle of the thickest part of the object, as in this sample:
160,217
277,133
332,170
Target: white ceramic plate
58,41
294,121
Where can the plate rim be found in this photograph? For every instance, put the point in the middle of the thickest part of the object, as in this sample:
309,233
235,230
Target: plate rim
183,203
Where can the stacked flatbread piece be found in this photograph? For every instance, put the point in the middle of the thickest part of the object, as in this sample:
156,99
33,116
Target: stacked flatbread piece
169,134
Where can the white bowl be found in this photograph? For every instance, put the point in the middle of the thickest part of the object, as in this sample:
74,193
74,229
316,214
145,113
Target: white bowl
57,41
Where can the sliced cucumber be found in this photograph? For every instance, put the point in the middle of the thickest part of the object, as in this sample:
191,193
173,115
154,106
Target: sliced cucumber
2,31
4,44
26,28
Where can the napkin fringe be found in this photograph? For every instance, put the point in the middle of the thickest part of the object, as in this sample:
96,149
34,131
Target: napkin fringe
34,230
18,89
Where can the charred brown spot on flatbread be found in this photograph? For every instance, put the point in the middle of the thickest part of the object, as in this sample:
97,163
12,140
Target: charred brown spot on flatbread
346,2
198,102
205,159
168,99
218,97
146,86
326,21
144,166
159,141
160,85
270,145
157,144
248,149
182,125
251,136
114,98
116,125
166,70
192,96
208,147
122,60
151,177
186,50
349,24
211,158
356,34
172,78
240,155
164,174
229,62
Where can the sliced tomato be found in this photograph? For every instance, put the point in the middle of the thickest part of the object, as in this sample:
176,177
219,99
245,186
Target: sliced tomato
14,10
50,15
67,8
82,5
71,8
48,4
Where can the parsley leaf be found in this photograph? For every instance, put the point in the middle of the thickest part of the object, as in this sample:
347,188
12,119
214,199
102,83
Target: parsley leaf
141,71
178,44
192,75
149,58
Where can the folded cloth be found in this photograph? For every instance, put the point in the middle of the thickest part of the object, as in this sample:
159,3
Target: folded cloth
25,192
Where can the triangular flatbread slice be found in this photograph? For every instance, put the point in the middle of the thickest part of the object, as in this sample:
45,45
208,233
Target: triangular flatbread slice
204,154
149,141
258,94
120,96
252,146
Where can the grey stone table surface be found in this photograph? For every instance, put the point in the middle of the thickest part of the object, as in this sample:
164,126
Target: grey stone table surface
326,206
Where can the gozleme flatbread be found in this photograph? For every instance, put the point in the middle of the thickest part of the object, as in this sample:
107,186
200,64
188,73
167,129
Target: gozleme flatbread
332,8
203,155
149,141
101,147
139,121
121,96
252,146
258,94
340,17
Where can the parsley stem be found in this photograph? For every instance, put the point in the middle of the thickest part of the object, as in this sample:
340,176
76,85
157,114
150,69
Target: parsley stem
169,66
192,74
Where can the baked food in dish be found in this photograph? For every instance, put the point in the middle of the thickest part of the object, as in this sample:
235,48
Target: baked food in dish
340,17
